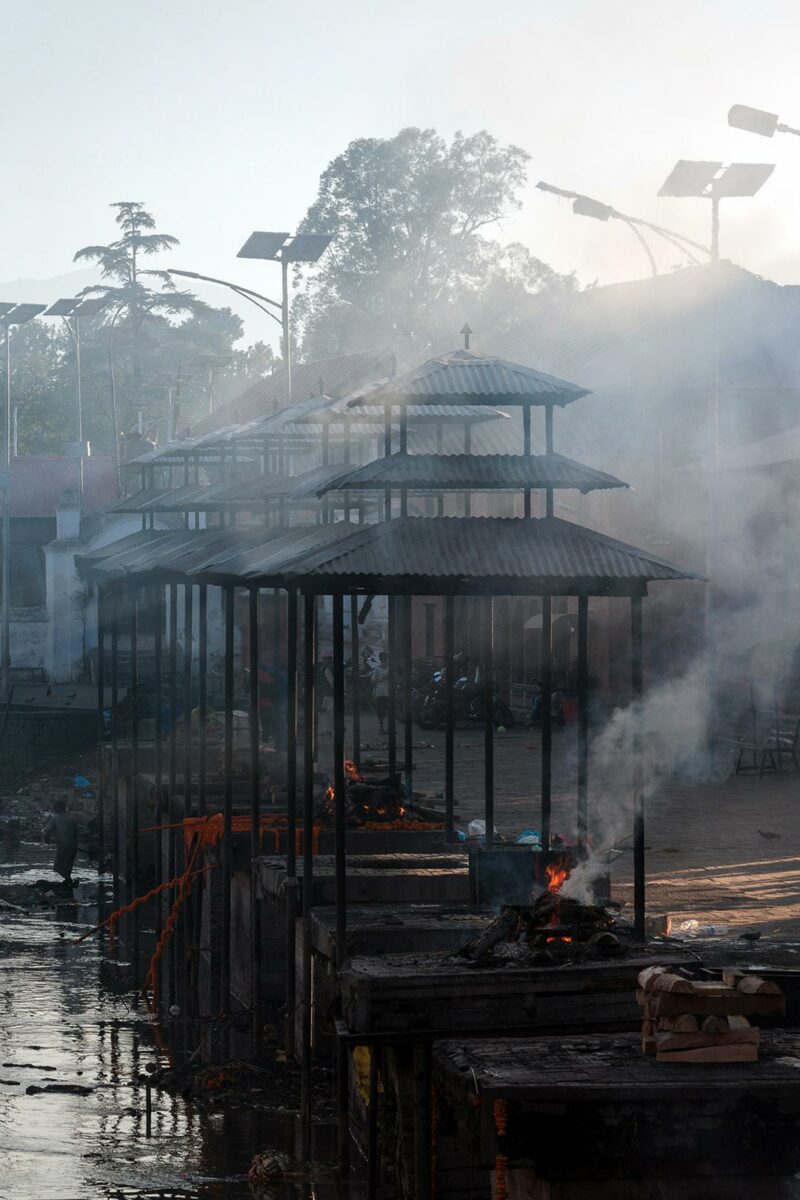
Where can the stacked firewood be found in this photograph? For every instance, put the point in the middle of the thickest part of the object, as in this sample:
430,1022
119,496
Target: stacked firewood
688,1020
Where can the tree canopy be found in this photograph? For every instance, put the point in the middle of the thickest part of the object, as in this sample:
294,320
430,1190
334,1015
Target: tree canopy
411,259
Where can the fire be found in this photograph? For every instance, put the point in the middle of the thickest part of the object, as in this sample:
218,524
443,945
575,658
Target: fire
329,795
559,939
557,874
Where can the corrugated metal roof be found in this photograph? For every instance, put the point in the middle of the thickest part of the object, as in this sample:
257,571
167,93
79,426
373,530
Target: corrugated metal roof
372,411
469,378
415,554
39,482
339,377
543,553
225,554
470,471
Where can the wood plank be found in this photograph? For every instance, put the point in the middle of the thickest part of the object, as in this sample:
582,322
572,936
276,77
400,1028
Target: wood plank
740,1052
736,1004
696,1041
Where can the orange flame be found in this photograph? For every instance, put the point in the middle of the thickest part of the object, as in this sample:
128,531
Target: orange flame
557,874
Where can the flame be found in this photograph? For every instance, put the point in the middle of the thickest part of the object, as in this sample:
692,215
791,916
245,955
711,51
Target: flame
559,939
330,794
557,874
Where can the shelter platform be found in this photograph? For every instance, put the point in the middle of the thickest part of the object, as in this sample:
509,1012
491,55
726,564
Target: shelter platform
594,1117
374,879
397,996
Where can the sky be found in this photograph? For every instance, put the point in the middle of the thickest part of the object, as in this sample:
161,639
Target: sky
221,116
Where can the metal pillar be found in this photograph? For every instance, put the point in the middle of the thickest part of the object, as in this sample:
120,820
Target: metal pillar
355,658
547,716
255,809
583,719
488,719
188,629
449,733
637,689
202,698
133,600
408,724
227,857
157,600
548,428
309,622
339,779
101,780
291,818
391,715
526,449
114,622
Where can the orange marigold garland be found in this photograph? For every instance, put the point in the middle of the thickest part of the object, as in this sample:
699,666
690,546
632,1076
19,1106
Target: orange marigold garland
501,1160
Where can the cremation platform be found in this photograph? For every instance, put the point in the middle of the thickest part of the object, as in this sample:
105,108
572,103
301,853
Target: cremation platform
594,1118
396,994
438,878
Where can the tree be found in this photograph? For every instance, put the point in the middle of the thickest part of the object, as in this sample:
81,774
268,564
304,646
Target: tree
410,260
137,316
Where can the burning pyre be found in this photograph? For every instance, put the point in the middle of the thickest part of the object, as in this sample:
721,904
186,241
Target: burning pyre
376,803
554,927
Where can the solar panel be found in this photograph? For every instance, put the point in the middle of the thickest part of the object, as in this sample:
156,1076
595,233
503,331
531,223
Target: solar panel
262,245
743,179
21,313
754,120
689,178
307,247
62,308
90,306
5,307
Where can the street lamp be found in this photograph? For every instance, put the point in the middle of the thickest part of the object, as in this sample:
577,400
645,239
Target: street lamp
246,293
755,120
72,309
715,182
10,314
286,248
585,206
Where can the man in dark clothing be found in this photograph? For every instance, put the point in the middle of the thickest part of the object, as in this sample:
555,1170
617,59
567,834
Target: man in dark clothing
63,830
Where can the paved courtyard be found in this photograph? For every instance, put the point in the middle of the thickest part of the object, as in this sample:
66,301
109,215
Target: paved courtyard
707,854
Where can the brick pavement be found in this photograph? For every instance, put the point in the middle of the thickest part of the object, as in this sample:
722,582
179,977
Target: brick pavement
706,858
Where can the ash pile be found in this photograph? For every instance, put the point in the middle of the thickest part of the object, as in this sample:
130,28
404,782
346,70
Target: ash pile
553,929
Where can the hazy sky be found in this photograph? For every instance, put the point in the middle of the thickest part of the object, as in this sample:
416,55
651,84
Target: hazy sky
221,114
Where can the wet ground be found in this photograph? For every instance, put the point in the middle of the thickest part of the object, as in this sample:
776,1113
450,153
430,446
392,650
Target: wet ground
60,1026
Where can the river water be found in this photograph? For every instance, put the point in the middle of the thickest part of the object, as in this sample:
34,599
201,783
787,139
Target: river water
60,1025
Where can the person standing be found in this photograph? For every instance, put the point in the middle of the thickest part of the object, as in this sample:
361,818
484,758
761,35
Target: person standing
380,689
62,829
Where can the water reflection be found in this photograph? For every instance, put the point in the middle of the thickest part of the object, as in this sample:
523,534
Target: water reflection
58,1024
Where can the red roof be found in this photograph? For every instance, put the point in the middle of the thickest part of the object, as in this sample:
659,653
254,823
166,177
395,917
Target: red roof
39,482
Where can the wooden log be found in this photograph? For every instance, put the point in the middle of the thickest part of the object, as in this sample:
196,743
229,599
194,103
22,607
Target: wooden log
738,1052
738,1022
648,1037
648,977
684,1023
754,985
714,1024
498,930
702,1040
672,983
735,1004
732,975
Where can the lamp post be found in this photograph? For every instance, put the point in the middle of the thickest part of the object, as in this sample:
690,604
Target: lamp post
586,206
286,248
755,120
71,310
10,314
715,182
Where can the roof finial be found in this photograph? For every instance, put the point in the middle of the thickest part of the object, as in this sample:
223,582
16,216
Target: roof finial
465,329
